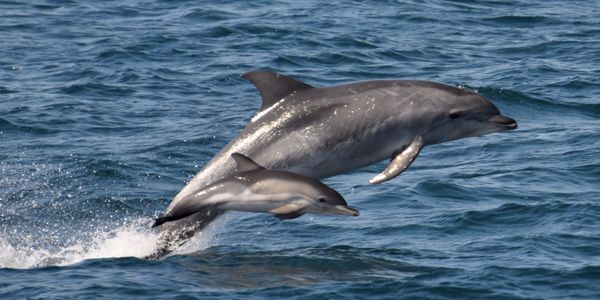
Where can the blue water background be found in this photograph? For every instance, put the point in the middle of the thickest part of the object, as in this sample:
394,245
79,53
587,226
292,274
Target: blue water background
107,109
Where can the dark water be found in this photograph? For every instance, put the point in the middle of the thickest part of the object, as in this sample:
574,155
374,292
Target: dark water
107,108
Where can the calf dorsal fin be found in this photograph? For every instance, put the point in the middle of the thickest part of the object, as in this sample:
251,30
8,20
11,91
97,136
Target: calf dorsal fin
244,163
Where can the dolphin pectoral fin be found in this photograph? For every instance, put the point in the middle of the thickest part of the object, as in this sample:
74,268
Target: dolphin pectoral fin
286,209
274,87
288,216
400,161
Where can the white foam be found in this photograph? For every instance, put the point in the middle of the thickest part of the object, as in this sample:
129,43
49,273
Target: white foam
134,239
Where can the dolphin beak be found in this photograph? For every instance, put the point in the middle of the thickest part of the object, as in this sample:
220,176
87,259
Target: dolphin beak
346,210
507,122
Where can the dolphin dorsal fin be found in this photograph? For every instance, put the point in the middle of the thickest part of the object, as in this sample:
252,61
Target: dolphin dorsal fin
273,86
244,163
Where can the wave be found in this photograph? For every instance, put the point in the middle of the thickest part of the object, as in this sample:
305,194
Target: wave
99,89
203,14
6,125
517,20
4,90
519,98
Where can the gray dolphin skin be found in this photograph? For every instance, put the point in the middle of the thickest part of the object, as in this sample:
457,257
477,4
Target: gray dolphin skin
320,132
256,189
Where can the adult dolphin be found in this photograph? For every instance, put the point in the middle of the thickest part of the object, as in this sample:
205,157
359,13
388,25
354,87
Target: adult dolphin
320,132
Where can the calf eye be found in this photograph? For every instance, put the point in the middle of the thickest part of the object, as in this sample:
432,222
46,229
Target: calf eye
322,200
455,115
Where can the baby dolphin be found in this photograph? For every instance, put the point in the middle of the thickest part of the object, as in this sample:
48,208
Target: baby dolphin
256,189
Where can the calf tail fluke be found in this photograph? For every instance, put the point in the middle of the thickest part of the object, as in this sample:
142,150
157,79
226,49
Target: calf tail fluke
162,220
178,212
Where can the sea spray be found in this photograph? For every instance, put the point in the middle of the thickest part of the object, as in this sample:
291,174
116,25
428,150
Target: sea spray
131,239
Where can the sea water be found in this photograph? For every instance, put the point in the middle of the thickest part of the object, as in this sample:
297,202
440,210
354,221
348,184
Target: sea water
107,109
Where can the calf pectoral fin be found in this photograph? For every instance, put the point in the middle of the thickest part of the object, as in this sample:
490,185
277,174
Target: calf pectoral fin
286,209
400,161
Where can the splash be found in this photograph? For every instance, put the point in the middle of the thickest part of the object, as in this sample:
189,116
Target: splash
47,218
134,239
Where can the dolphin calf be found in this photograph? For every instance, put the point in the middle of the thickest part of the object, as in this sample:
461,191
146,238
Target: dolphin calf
324,131
256,189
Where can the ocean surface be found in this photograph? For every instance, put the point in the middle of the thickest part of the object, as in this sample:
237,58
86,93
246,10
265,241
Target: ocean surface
107,109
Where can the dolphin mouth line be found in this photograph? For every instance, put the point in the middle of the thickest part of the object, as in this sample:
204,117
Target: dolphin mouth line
508,123
347,210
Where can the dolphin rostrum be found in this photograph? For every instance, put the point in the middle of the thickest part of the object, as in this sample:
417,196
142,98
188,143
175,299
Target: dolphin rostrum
320,132
256,189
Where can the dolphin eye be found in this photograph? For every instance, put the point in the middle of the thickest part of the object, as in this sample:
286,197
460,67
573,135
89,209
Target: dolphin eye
455,115
322,199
